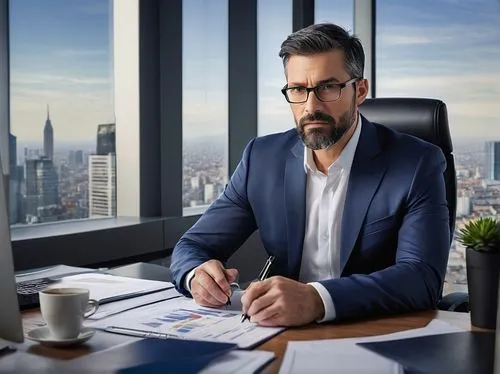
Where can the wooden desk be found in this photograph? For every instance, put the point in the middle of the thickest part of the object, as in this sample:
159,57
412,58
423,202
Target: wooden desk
277,344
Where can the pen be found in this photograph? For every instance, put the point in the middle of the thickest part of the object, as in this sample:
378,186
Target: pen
264,273
140,333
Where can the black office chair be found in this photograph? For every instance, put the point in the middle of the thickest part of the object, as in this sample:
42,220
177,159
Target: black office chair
426,119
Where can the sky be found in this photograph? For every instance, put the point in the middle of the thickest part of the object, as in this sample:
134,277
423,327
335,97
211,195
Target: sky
61,55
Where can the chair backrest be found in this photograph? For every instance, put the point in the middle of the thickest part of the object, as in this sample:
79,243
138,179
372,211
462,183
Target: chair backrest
426,119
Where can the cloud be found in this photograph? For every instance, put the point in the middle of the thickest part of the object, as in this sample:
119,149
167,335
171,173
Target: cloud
80,52
19,78
405,39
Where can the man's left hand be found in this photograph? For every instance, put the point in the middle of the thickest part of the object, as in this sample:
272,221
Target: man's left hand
279,301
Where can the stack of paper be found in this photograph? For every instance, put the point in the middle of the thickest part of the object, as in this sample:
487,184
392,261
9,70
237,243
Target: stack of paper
107,288
345,356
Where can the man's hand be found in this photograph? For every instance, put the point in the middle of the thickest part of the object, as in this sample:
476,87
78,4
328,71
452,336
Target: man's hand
210,285
280,301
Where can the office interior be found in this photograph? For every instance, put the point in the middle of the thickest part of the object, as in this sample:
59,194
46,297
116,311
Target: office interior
181,86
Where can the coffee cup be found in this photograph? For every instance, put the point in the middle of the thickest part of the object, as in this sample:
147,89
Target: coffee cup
64,310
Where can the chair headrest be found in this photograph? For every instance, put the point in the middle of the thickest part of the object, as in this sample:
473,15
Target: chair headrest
426,119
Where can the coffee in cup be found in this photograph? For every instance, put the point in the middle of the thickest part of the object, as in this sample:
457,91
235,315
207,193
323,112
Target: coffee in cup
64,310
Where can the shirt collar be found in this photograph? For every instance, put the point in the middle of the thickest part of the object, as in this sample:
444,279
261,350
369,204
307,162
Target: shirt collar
344,161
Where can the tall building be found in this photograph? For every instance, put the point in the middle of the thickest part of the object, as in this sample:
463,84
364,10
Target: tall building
492,165
14,182
42,185
102,185
48,138
106,139
463,206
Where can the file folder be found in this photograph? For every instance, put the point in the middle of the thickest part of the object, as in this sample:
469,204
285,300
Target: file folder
455,353
152,355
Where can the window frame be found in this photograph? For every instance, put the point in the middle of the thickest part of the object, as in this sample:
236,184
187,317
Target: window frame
148,107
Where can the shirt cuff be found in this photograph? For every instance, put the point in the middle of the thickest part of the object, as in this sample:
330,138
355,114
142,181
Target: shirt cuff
330,312
187,280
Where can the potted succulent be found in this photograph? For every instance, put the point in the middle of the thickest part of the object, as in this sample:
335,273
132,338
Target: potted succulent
481,237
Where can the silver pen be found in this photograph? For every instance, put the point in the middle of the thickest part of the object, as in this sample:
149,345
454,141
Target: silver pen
140,333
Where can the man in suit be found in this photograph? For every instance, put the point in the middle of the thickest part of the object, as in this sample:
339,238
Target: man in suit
355,213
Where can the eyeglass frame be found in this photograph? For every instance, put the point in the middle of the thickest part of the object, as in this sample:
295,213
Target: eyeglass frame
341,86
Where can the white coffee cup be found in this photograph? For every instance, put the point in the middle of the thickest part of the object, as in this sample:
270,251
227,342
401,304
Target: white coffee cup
64,310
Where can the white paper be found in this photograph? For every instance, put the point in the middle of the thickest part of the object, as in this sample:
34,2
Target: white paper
104,286
183,318
344,356
109,309
239,362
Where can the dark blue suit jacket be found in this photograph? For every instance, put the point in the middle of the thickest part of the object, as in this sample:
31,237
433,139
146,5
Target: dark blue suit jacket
395,227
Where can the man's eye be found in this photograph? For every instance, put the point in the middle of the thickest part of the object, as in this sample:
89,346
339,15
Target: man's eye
327,87
297,89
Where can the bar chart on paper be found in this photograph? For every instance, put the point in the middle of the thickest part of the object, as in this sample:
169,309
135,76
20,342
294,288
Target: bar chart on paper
183,318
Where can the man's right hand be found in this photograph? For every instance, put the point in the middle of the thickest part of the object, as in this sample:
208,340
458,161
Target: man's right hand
210,285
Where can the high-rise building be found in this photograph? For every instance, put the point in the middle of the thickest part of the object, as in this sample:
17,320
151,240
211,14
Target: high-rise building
42,188
14,182
106,139
102,185
492,165
48,138
463,206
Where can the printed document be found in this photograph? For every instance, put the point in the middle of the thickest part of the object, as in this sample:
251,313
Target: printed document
106,288
345,356
182,318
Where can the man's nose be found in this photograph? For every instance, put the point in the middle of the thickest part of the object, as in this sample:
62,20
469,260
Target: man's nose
313,104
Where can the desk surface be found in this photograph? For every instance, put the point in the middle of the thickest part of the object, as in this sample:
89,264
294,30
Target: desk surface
277,344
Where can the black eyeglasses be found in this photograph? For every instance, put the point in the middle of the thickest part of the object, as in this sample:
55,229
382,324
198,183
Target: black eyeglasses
324,92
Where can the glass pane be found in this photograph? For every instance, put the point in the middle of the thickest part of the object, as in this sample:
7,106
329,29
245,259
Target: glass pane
274,24
449,50
204,102
340,12
61,92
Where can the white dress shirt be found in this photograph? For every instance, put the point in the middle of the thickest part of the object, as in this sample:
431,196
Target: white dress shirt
325,198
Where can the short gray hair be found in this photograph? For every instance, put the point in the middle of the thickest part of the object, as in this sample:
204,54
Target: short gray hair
325,37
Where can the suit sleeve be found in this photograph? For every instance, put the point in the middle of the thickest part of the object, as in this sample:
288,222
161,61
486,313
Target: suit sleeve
220,231
415,281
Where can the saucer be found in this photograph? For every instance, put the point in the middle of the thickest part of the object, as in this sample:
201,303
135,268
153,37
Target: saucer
43,336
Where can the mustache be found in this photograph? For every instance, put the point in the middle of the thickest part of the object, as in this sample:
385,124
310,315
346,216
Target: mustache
316,116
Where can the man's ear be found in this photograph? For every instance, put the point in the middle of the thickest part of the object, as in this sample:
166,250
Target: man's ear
362,88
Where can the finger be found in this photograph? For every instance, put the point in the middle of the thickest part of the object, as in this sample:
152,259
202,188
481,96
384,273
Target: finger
231,275
254,291
261,303
218,274
275,320
206,282
266,314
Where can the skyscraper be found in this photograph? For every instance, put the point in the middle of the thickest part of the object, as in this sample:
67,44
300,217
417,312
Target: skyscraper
102,174
106,139
15,182
492,166
41,185
102,185
48,138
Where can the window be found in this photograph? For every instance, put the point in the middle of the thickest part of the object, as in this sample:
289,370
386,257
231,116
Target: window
340,12
449,50
61,109
274,24
204,102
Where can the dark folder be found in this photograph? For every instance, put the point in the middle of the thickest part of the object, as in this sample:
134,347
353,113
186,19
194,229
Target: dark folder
455,353
151,356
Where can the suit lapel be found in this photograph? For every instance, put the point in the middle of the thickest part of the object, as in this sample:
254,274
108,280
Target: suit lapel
367,170
295,203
